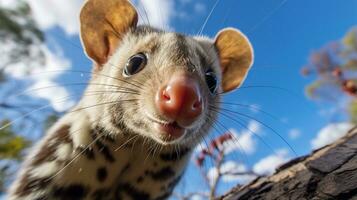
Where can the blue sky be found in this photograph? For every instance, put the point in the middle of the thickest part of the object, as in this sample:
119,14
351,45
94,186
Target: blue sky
283,34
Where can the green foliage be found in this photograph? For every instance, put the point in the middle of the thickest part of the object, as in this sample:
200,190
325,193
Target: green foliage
12,24
11,149
352,110
11,145
19,37
20,43
350,40
3,175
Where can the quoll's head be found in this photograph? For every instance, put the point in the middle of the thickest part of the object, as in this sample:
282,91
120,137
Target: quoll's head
167,85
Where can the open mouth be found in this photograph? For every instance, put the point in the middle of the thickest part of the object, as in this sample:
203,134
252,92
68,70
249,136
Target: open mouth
169,131
173,130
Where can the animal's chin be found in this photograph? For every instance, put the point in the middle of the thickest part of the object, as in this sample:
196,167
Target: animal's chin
169,132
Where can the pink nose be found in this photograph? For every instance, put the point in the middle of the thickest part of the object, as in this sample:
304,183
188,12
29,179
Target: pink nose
180,100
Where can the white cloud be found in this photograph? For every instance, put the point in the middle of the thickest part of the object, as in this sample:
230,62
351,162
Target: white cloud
212,174
159,12
55,66
294,133
44,76
254,126
330,133
233,167
62,13
267,165
200,147
8,4
55,94
65,13
243,141
197,197
35,72
230,167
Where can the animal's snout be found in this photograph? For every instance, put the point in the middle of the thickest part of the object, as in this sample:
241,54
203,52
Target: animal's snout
180,100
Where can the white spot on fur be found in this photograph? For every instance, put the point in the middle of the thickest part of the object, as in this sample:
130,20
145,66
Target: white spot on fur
45,169
80,131
63,152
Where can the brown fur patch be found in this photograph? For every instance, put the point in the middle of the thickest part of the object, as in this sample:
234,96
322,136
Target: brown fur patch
29,185
48,149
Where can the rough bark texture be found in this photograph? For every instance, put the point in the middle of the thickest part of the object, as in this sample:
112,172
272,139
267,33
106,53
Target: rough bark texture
327,173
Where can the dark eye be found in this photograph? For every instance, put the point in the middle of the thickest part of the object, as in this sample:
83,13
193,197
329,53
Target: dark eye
211,80
135,64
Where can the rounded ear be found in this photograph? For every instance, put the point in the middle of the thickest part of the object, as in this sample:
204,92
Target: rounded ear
103,25
236,57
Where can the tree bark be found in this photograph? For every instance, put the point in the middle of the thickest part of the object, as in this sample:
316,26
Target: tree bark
327,173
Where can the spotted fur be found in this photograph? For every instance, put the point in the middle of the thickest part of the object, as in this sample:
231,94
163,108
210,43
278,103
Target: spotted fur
110,151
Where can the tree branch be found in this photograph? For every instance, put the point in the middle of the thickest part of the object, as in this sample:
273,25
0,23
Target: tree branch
327,173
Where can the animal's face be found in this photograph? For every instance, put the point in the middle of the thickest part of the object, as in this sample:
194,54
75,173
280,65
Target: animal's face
172,83
164,86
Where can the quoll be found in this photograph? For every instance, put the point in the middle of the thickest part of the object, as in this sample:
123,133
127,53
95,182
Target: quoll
148,104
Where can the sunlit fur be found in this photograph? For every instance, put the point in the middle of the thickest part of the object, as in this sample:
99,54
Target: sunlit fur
164,61
123,106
